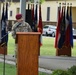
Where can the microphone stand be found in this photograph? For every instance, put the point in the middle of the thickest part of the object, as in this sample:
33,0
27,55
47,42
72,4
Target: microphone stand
4,45
4,59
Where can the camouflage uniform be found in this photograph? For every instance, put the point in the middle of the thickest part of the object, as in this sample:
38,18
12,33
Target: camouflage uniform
20,27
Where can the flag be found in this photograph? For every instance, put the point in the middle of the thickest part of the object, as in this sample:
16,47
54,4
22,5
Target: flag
67,32
58,27
62,30
6,19
0,31
71,32
32,11
6,12
4,34
2,25
36,18
40,26
32,17
28,16
28,6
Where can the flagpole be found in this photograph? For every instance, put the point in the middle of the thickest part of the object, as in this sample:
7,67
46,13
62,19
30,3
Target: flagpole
0,24
23,8
4,59
4,53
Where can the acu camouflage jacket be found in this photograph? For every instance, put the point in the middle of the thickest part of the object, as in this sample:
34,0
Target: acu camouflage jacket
20,27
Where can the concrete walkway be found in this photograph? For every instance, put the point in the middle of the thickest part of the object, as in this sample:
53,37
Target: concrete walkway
47,62
9,59
56,62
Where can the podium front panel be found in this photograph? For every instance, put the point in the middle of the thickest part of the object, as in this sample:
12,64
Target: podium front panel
27,57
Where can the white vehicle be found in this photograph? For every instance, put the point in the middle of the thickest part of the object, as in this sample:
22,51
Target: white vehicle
74,32
49,30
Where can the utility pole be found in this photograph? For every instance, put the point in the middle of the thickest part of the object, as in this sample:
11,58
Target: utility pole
23,8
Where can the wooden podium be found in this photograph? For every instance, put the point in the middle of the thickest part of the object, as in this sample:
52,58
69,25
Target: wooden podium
27,55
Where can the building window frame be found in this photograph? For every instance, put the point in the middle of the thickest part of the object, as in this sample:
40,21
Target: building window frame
17,10
11,12
48,13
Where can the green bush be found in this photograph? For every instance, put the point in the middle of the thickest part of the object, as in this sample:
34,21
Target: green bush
60,72
72,70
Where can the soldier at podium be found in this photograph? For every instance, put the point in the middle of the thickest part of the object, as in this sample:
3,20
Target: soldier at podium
19,26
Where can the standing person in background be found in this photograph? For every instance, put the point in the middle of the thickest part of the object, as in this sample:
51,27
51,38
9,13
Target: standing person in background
19,26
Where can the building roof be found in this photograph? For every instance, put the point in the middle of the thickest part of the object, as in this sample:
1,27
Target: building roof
12,0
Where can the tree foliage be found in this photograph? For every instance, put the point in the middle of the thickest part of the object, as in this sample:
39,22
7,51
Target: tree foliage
41,1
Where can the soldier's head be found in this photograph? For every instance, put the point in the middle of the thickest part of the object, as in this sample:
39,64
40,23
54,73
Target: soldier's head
19,17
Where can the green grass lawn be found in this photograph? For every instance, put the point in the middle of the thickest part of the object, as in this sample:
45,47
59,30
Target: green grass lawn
9,69
46,49
49,49
11,45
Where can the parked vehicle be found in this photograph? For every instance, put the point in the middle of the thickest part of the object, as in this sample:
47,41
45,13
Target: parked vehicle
49,30
74,32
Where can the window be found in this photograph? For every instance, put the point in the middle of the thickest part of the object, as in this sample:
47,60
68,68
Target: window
58,9
46,26
10,13
48,13
18,10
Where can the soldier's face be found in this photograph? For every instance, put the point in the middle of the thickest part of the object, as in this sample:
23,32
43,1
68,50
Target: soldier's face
20,20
